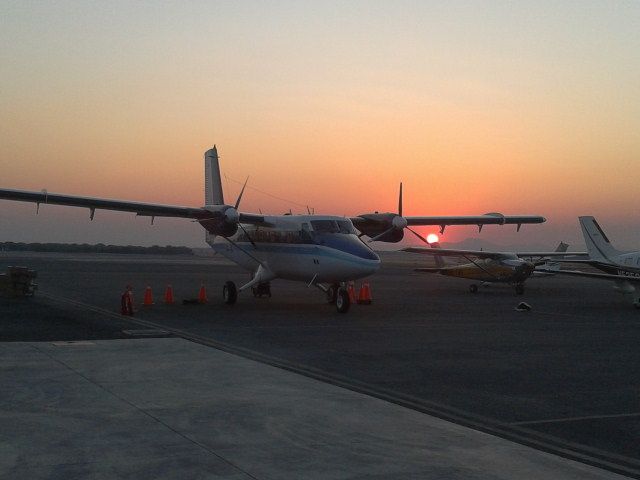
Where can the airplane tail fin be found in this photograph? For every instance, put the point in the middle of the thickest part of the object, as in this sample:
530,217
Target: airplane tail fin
598,244
212,182
438,259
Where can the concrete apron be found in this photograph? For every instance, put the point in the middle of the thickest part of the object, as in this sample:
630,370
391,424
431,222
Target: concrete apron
170,408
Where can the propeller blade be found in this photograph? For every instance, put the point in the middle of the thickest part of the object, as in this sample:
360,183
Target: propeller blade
418,235
248,236
382,234
400,201
243,250
241,192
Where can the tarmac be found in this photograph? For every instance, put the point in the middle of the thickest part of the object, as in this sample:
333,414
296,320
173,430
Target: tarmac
429,381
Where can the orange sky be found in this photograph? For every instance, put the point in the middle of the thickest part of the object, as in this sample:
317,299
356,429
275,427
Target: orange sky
476,107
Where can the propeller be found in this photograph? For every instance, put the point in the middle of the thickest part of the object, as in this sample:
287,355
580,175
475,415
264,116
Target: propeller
231,214
522,268
230,217
398,223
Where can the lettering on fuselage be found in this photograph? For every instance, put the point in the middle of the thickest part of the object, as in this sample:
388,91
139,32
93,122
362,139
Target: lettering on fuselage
627,273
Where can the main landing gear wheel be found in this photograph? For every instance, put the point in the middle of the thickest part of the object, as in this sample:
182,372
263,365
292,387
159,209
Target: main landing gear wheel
473,288
519,289
229,293
342,301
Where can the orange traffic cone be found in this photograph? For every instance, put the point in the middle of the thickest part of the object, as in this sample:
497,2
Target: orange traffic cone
364,296
352,292
168,295
148,297
202,296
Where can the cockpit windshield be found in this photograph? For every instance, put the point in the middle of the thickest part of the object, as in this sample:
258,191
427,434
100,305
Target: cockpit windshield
332,226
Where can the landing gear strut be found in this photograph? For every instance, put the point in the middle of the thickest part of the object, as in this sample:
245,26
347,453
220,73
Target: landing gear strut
332,293
473,288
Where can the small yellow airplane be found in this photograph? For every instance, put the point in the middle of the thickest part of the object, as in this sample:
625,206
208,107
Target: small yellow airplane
491,267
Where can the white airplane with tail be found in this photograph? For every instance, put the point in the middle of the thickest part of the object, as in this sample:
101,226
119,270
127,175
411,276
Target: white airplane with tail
623,268
325,251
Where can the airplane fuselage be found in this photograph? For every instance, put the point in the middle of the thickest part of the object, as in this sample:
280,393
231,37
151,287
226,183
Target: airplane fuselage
483,271
309,248
627,264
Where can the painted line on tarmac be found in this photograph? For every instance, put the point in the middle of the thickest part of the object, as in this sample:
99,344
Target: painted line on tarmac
576,419
531,438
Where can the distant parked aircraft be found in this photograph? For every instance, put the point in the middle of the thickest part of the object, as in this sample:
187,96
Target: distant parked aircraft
492,267
620,267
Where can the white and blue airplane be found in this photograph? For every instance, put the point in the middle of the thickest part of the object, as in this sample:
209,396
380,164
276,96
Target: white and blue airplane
325,251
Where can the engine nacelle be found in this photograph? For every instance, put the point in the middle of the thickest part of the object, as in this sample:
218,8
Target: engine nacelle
223,220
393,236
375,224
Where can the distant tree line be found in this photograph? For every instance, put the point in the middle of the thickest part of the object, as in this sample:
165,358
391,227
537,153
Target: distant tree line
86,248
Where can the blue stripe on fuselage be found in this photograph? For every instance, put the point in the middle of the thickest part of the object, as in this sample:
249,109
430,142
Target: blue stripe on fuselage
300,249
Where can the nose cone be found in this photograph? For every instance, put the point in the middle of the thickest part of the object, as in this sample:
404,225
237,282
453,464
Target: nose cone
354,258
368,261
362,250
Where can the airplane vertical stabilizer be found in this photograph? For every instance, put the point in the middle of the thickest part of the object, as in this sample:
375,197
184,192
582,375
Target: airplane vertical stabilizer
598,244
212,182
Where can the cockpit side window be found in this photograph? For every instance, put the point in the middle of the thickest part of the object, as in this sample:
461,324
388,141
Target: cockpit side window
332,226
346,226
324,226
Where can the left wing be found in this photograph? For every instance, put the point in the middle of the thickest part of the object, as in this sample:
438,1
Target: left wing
486,219
389,227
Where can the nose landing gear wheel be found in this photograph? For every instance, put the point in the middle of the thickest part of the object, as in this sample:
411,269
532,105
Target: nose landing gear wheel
332,293
342,301
229,293
473,288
